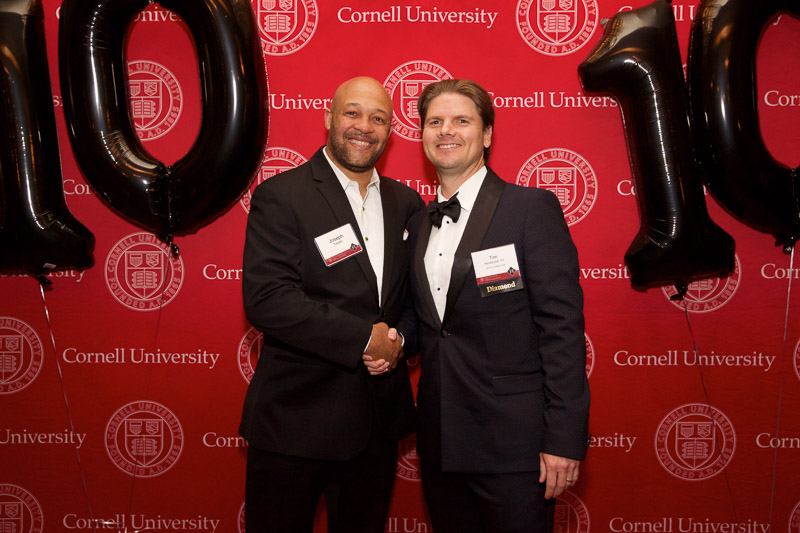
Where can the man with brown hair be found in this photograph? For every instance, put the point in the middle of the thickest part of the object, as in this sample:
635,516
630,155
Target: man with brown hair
503,397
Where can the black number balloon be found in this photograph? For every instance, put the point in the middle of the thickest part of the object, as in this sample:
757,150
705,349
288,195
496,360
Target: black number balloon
739,171
638,62
165,199
37,231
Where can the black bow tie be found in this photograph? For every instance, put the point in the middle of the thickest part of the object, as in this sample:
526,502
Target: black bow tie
437,210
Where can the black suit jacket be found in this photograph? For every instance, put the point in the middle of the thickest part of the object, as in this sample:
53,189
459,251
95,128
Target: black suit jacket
311,395
503,377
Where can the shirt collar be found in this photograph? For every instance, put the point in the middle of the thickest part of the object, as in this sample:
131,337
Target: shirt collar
468,192
347,182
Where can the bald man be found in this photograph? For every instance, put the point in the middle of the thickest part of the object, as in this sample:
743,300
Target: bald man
325,266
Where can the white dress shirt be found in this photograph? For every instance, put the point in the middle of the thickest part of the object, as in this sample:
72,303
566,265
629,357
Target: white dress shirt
444,241
369,216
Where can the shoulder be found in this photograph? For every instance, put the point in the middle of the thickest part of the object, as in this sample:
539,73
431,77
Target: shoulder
530,198
408,199
286,184
402,190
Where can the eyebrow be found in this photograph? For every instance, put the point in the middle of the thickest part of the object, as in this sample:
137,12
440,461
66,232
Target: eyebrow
437,117
358,105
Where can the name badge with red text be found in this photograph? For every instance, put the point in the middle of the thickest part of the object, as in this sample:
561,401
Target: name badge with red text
338,245
497,270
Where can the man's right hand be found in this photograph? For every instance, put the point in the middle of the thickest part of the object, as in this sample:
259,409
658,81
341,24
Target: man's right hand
384,350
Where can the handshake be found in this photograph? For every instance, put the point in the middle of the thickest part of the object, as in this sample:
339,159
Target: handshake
384,351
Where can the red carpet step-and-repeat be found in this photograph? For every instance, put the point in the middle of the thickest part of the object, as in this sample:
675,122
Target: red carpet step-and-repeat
695,416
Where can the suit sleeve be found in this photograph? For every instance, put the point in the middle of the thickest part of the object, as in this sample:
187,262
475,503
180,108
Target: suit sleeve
274,299
556,297
407,325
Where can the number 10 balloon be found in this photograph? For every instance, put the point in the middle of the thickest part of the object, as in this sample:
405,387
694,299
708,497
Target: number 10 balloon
638,61
37,231
210,178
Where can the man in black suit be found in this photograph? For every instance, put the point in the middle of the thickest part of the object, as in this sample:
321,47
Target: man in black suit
503,397
325,269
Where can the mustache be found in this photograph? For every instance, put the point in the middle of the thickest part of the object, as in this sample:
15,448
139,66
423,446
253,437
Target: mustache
360,137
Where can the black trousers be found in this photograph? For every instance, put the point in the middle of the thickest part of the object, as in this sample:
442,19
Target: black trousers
282,492
486,503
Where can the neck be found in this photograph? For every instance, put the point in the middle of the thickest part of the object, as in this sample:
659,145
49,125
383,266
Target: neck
362,178
451,181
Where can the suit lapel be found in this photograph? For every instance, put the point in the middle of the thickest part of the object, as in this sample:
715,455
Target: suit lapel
331,189
391,232
419,267
477,225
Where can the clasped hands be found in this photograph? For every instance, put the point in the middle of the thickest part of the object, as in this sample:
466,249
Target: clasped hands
384,351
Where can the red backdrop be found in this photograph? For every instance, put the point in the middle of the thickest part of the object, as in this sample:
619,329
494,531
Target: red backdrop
695,415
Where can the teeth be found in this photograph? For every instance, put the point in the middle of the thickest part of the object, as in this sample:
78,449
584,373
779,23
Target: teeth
447,145
360,143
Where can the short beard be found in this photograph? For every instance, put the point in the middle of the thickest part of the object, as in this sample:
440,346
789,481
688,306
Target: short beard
340,155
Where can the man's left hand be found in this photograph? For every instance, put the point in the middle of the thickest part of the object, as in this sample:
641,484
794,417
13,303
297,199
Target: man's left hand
559,473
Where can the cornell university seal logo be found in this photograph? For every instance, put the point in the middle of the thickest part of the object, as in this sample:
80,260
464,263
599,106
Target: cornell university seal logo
706,295
796,359
404,85
571,515
19,510
142,274
794,520
408,460
156,99
276,160
21,355
249,351
695,442
286,25
144,439
556,27
567,175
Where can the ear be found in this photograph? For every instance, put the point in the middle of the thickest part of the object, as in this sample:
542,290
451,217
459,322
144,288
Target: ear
328,119
487,137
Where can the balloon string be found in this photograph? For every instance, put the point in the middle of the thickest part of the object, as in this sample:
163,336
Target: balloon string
711,410
788,299
780,390
775,455
42,283
172,250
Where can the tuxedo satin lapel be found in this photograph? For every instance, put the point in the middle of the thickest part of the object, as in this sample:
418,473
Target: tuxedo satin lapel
331,189
477,225
392,233
419,266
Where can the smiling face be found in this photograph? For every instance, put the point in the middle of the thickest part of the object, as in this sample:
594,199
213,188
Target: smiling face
358,122
453,136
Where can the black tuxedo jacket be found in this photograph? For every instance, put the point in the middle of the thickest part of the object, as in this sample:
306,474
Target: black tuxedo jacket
504,376
311,395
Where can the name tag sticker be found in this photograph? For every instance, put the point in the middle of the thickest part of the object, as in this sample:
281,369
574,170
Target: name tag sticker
338,245
497,270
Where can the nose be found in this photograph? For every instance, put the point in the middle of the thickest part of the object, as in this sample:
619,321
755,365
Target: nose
446,129
363,124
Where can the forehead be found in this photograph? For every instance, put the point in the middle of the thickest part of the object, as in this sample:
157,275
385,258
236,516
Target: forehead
365,96
453,104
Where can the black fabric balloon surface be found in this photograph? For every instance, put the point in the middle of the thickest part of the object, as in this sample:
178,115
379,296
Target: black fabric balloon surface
218,169
638,62
739,171
37,231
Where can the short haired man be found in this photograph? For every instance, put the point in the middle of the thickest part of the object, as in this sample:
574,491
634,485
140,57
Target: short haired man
503,397
325,266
